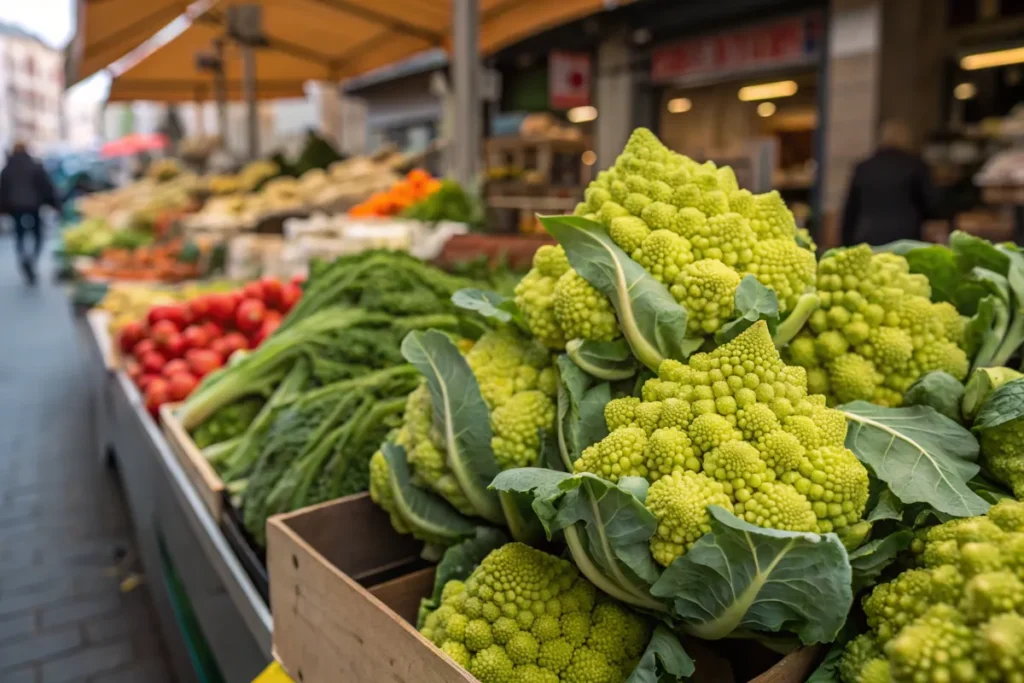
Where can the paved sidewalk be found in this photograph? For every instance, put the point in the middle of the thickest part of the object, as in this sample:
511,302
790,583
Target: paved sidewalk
65,536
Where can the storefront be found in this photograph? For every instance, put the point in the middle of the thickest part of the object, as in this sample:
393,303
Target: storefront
748,96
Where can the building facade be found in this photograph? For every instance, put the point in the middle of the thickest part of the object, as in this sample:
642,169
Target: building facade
31,91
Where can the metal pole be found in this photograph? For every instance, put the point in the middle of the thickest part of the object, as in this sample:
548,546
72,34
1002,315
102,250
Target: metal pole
465,139
220,87
249,86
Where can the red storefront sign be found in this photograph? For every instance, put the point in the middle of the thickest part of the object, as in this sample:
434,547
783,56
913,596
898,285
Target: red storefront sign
568,79
792,41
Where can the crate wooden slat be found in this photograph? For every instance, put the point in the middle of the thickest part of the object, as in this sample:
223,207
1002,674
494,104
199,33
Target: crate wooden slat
329,627
200,472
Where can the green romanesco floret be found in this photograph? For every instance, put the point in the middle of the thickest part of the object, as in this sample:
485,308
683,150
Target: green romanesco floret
526,616
518,385
583,312
380,491
707,289
667,211
958,617
877,332
559,305
735,425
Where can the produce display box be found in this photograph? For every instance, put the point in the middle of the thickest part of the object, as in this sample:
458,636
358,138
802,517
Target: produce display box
199,471
338,618
99,326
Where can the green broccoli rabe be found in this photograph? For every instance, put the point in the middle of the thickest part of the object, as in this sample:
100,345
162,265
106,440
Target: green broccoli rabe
957,618
527,616
227,423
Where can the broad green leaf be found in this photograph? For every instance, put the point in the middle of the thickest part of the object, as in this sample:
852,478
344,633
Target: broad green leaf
828,670
753,302
460,417
922,456
870,560
609,361
664,656
901,247
1003,405
980,387
457,563
939,390
606,526
984,331
746,576
490,305
888,506
990,490
652,322
580,411
430,518
938,264
973,252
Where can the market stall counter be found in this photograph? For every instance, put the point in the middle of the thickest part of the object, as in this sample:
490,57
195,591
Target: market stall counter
215,624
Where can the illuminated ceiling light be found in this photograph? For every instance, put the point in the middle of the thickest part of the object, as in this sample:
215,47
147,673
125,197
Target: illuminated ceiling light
965,91
766,109
768,91
582,114
589,158
987,60
678,105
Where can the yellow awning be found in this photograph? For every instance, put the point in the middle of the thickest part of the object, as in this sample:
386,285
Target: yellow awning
331,40
109,29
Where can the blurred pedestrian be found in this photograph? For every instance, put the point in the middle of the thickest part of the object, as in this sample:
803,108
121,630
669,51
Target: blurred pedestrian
25,188
891,193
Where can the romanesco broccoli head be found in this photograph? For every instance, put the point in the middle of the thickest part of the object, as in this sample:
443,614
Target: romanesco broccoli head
742,420
583,312
707,289
877,332
680,501
956,618
526,616
380,492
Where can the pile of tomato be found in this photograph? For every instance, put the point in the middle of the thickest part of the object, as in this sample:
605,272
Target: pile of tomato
170,352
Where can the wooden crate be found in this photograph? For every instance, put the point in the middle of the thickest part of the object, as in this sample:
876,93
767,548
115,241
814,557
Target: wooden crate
204,478
333,622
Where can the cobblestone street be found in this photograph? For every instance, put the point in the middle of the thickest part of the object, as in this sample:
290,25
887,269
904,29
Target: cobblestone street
65,534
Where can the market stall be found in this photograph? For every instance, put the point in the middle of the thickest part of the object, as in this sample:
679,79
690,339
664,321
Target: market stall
754,470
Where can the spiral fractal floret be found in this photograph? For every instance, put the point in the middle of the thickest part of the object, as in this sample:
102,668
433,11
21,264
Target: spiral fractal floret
737,428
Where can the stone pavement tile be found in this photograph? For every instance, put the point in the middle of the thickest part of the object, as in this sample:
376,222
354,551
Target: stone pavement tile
86,663
17,626
34,599
79,610
27,674
38,647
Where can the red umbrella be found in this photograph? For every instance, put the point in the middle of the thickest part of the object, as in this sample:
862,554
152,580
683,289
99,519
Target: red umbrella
133,144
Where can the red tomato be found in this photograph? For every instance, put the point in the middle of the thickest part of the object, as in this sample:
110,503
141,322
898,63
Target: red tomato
298,279
162,330
153,362
236,341
222,347
177,314
143,347
290,295
144,381
203,361
157,393
199,307
271,291
130,335
213,330
196,336
253,290
134,369
174,347
250,315
175,366
222,307
181,385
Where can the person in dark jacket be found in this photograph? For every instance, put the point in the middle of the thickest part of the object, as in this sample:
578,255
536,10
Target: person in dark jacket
891,193
25,189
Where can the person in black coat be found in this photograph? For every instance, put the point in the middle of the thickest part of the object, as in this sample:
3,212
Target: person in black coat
25,188
891,193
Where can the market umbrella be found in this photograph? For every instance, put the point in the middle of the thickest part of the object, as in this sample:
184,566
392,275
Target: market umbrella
133,144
